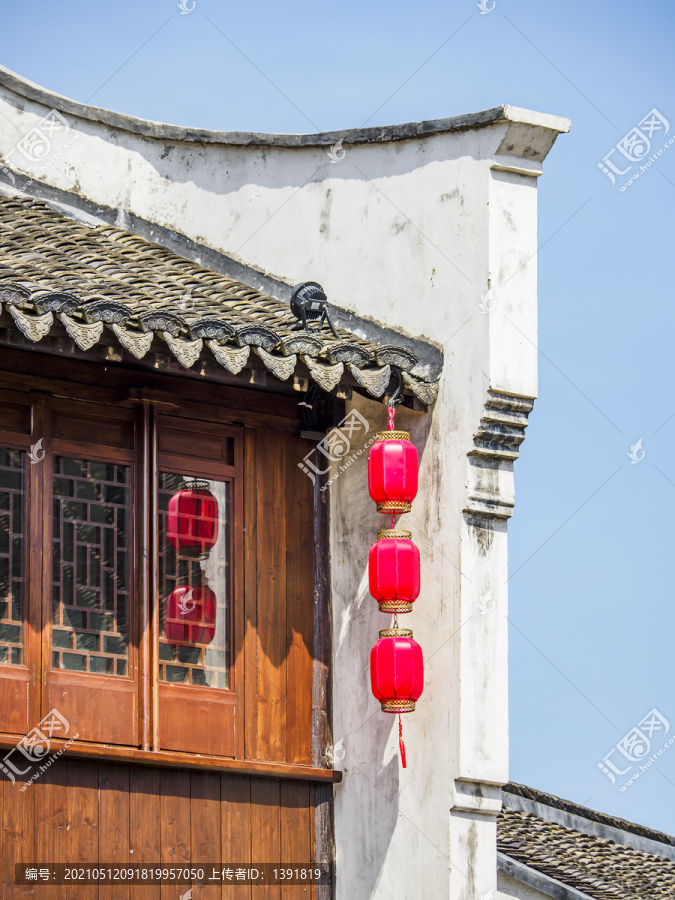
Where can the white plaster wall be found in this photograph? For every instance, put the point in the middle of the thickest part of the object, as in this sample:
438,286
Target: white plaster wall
412,234
513,282
510,888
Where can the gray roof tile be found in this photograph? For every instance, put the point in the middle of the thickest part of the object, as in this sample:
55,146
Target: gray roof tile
595,866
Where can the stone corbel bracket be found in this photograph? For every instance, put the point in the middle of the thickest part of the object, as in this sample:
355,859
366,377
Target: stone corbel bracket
496,447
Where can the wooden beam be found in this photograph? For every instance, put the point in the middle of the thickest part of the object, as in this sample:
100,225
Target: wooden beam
178,760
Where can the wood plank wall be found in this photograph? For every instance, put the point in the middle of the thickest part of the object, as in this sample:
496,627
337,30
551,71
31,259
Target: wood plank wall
83,812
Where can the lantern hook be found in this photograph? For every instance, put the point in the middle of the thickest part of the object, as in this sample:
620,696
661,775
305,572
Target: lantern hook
308,428
397,396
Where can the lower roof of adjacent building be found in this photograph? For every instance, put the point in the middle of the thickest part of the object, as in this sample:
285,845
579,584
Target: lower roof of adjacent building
552,847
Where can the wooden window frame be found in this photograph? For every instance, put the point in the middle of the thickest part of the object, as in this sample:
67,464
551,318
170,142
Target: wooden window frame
70,692
19,705
222,736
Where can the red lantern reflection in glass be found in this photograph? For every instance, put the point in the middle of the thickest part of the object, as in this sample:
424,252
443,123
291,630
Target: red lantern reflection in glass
392,472
190,616
394,571
192,522
397,670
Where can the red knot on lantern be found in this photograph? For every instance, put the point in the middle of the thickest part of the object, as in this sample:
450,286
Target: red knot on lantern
397,670
192,526
190,616
392,472
394,571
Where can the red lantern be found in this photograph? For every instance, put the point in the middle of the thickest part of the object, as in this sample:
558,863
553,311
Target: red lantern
192,526
190,616
397,670
392,472
394,571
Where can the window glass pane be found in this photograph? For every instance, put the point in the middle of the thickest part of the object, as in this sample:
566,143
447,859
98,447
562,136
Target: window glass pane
91,577
12,555
194,580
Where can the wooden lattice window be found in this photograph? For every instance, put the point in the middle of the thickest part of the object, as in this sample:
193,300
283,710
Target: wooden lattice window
197,674
91,566
196,649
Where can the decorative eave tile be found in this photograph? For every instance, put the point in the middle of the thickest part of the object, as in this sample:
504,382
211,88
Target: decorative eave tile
374,380
160,320
136,342
211,329
257,336
55,301
426,391
85,336
303,343
349,353
13,294
186,352
282,367
105,311
231,358
34,328
400,357
326,376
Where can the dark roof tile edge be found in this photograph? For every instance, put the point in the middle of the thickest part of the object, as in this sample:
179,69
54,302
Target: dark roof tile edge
592,815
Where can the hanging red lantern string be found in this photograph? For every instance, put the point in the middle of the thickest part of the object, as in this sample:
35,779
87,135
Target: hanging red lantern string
396,661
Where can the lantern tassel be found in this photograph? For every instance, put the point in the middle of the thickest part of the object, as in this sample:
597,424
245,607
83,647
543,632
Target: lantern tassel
401,745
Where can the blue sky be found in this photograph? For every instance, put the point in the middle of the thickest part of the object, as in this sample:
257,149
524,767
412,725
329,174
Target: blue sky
591,586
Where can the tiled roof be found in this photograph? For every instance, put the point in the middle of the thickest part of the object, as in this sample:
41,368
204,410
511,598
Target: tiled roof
592,815
595,866
103,284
